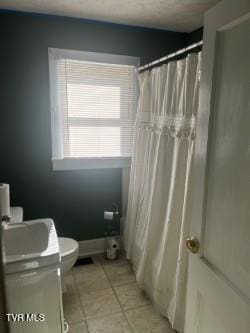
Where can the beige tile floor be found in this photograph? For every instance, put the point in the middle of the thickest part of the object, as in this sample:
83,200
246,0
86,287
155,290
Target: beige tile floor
104,298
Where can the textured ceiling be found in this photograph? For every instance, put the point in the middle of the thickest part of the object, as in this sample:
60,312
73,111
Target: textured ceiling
178,15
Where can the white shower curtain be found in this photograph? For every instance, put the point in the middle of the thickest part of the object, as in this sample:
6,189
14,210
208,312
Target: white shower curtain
157,222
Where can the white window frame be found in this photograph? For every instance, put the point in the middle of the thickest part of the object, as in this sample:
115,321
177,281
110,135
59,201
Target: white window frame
59,162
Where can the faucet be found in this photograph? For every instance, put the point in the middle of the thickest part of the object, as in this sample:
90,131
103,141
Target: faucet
5,218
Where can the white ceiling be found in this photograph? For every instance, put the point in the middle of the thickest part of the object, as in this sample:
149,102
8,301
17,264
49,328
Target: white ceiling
178,15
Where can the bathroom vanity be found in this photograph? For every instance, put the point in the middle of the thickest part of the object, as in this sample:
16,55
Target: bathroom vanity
33,285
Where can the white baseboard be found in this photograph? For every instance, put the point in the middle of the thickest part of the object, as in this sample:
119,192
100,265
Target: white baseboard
95,246
90,247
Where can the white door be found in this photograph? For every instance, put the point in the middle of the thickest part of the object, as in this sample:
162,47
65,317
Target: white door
218,299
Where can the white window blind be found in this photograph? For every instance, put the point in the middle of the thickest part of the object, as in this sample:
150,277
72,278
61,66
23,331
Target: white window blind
93,99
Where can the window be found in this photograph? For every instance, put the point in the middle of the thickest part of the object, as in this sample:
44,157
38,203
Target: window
93,104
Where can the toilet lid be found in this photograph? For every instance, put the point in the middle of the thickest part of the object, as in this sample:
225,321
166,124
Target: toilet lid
67,246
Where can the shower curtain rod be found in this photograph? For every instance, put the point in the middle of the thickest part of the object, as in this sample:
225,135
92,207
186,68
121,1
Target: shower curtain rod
170,56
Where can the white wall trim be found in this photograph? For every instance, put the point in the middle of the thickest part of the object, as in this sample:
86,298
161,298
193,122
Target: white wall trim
91,163
90,247
106,58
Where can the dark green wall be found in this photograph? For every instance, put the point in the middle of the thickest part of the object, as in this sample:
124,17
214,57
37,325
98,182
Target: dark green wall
195,36
74,199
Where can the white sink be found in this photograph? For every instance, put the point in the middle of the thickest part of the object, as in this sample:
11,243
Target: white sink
29,244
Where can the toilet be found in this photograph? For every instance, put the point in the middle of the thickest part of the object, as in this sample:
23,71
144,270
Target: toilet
69,251
69,248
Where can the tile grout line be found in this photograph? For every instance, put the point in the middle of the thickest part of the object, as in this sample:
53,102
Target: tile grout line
79,298
122,310
80,302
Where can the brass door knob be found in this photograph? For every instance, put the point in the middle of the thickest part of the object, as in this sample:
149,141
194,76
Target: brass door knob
193,244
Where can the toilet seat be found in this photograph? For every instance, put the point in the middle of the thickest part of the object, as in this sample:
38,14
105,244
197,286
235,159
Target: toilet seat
68,247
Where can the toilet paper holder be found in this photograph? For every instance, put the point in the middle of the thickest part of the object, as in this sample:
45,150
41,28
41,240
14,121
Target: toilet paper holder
112,218
112,231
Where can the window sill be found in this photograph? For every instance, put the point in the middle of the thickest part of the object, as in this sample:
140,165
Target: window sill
91,163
